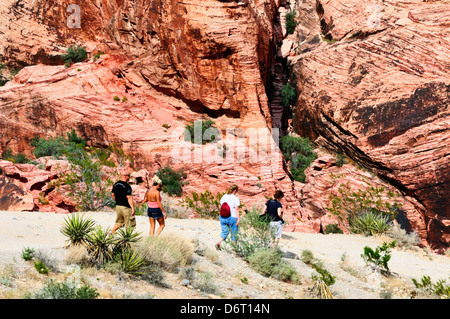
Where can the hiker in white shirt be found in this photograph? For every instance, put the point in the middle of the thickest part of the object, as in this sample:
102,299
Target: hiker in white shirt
232,221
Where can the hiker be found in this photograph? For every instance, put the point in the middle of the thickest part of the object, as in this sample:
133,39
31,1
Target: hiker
122,195
155,210
229,215
274,211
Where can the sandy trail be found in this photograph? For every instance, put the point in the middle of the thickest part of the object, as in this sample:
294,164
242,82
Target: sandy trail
42,231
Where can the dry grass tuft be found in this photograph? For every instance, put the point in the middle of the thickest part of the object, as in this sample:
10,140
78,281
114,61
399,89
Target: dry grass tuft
168,251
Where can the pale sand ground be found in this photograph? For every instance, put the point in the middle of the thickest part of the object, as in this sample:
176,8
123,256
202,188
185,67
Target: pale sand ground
42,231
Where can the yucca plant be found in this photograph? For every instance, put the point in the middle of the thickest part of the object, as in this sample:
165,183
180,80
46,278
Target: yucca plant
130,261
370,223
125,238
100,242
77,228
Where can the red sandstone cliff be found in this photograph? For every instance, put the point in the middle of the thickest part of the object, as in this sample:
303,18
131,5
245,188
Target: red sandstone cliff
378,88
378,91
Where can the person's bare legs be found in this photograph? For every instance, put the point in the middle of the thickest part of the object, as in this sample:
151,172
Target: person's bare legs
162,224
152,226
115,227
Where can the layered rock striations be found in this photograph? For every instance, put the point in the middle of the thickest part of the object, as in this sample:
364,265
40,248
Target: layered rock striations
376,86
372,81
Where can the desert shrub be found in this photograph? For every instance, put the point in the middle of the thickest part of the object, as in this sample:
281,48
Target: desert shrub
205,204
204,282
439,289
291,23
340,160
364,210
40,267
300,152
58,146
87,182
285,272
402,238
332,229
100,247
379,257
308,258
167,251
254,233
74,54
201,132
77,255
97,56
264,260
28,253
19,158
48,147
269,263
64,290
3,79
172,180
288,95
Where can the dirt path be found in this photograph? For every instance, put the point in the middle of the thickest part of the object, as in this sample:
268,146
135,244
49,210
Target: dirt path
42,231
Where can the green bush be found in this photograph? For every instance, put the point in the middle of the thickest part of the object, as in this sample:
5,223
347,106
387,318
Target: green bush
379,257
74,54
58,146
300,152
254,234
269,263
340,160
201,132
439,289
40,267
264,260
172,180
365,210
27,253
288,95
19,158
332,229
86,181
206,205
324,275
291,23
3,79
65,290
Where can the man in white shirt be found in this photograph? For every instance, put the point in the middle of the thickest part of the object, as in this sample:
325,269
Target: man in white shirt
232,221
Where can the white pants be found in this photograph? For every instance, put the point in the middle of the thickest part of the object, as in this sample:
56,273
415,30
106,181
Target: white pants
276,228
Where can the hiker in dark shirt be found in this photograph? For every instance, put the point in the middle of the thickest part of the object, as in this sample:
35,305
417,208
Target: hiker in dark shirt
121,193
274,211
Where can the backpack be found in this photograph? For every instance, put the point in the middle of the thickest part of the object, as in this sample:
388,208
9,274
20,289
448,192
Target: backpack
225,210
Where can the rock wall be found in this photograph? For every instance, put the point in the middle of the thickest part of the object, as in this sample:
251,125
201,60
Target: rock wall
376,87
372,81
